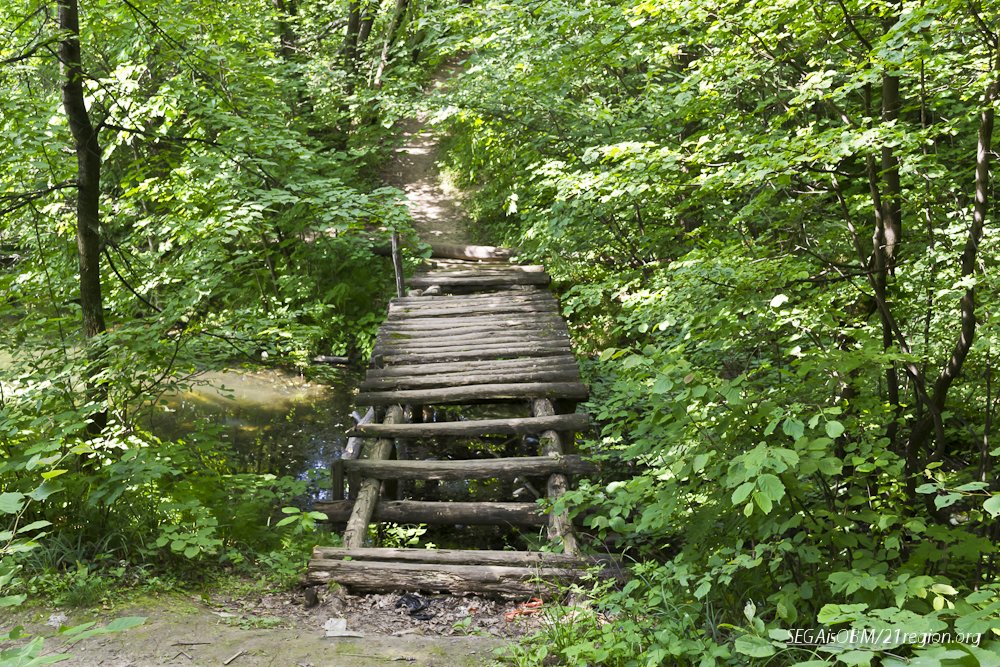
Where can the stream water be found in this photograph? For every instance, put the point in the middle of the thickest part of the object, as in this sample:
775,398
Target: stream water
275,421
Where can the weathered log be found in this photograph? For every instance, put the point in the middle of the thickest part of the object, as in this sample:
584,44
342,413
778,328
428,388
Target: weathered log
527,293
505,336
332,360
390,333
510,353
562,362
461,302
448,513
467,265
372,576
478,271
460,379
511,426
506,468
560,525
351,451
417,324
481,281
484,345
467,252
451,251
478,392
367,497
399,313
459,557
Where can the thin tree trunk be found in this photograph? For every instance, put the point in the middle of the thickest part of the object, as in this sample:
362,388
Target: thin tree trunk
390,37
921,431
351,38
88,193
367,20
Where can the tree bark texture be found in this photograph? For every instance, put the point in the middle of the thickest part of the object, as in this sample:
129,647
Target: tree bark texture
88,160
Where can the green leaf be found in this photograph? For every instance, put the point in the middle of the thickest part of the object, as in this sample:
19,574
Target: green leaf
992,505
754,646
947,500
44,490
125,623
793,428
12,600
834,429
34,525
742,492
11,503
763,502
771,486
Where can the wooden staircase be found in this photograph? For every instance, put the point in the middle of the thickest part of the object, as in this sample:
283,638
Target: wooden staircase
471,332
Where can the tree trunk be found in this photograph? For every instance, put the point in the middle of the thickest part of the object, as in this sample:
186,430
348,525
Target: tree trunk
367,20
88,193
390,38
351,40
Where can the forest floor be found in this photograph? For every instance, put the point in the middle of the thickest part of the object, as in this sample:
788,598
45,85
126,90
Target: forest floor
257,628
275,629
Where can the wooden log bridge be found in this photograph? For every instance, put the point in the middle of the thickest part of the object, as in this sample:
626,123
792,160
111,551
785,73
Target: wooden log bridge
473,329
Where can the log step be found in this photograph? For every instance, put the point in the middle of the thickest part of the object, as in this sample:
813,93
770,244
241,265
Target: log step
477,392
371,576
530,293
506,468
503,349
441,513
523,425
402,313
474,367
478,280
459,557
512,353
568,374
471,252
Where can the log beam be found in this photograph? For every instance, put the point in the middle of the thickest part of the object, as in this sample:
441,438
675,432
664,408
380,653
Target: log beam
364,506
505,468
446,513
371,576
514,426
479,392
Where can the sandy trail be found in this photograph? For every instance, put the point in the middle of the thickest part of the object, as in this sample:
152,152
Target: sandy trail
437,211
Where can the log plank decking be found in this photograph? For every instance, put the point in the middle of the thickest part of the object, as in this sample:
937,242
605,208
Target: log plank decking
470,331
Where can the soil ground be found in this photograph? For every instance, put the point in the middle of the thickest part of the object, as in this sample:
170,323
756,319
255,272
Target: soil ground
277,630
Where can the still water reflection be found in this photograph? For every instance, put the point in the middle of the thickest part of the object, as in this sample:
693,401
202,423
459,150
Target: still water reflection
275,421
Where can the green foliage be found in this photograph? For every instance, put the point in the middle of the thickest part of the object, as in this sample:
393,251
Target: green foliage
699,178
238,212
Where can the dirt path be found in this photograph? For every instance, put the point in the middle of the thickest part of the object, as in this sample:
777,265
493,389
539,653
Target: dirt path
276,630
436,208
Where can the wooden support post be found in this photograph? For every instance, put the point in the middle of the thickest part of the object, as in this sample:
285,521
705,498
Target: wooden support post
397,265
560,526
337,485
368,489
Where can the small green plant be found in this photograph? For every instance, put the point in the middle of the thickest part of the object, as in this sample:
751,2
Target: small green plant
398,536
301,523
